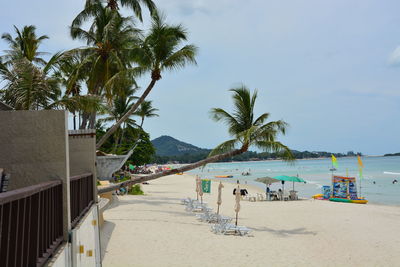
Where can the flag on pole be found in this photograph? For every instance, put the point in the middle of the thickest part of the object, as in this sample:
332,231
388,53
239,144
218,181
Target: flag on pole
360,166
360,162
334,162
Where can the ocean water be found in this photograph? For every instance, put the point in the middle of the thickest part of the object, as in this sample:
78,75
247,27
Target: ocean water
381,170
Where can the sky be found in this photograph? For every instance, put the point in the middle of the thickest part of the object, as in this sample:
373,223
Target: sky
331,69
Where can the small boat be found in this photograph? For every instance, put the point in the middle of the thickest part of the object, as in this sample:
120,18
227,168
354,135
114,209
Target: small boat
346,200
223,176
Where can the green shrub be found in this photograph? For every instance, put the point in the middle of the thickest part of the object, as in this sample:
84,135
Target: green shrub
136,190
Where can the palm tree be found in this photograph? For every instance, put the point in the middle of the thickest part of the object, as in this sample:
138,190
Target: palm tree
159,50
110,41
146,110
121,104
246,130
92,8
24,45
28,86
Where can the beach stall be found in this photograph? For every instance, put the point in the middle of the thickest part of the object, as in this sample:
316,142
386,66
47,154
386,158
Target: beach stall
344,190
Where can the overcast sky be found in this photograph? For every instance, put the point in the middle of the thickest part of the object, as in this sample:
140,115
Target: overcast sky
330,68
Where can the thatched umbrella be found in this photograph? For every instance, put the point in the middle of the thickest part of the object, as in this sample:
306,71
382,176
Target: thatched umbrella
237,203
219,201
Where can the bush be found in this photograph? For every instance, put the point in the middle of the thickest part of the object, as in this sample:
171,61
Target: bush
136,190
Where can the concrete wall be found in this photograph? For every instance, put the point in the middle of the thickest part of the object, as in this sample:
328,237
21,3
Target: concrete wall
62,258
34,149
85,237
82,154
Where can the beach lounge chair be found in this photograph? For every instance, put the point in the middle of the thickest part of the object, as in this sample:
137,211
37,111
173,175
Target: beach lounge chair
227,228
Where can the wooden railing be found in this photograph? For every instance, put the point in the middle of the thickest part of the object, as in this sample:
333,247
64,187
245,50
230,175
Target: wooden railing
81,195
31,224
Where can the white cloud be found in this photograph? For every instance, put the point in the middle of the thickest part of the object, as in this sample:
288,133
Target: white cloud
394,58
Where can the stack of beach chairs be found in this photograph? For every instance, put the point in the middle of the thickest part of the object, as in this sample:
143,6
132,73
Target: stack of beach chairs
220,224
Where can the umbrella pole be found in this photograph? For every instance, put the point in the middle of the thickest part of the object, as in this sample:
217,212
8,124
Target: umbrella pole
218,210
236,218
293,185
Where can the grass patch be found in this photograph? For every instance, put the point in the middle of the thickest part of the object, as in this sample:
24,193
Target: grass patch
136,190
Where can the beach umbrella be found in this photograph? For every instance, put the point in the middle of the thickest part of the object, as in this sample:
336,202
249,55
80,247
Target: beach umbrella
219,201
237,203
197,187
267,180
285,178
200,191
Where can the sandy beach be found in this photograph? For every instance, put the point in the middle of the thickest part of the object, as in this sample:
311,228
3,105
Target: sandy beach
155,230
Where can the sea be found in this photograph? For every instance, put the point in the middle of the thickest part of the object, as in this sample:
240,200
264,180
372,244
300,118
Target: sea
377,181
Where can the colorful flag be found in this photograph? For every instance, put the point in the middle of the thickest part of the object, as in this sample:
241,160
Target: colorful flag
131,167
360,162
334,162
360,172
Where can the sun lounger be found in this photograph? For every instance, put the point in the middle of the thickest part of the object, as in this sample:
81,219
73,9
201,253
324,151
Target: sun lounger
230,229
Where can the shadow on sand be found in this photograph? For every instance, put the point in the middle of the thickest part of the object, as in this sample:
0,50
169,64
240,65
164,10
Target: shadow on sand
286,233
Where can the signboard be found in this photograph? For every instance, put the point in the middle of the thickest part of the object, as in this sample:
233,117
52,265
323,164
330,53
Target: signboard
206,185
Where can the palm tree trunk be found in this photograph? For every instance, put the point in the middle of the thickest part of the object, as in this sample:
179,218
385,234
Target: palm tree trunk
74,113
92,120
174,171
85,117
127,114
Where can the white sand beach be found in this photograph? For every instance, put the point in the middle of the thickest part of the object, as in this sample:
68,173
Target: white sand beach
155,230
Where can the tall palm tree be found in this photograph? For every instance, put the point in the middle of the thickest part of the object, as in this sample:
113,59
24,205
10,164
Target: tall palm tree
246,130
24,45
146,110
110,41
91,8
160,50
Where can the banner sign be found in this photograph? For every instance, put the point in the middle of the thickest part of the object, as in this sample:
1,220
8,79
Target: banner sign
206,185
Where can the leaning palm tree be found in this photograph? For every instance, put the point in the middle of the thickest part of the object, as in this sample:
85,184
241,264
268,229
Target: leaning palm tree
146,110
159,51
246,130
24,45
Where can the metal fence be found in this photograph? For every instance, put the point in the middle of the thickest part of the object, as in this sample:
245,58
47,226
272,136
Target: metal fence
81,195
31,224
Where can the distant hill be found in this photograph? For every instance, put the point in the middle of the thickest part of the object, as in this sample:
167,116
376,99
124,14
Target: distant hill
168,146
391,155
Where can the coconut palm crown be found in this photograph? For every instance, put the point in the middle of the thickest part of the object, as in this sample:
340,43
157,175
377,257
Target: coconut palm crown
24,45
247,130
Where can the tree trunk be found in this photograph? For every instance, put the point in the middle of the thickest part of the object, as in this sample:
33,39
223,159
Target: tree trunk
85,117
127,114
174,171
74,113
92,120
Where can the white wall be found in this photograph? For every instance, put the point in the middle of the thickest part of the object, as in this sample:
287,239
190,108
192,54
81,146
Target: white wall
86,234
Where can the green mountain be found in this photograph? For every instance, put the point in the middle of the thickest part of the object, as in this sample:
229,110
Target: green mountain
169,146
